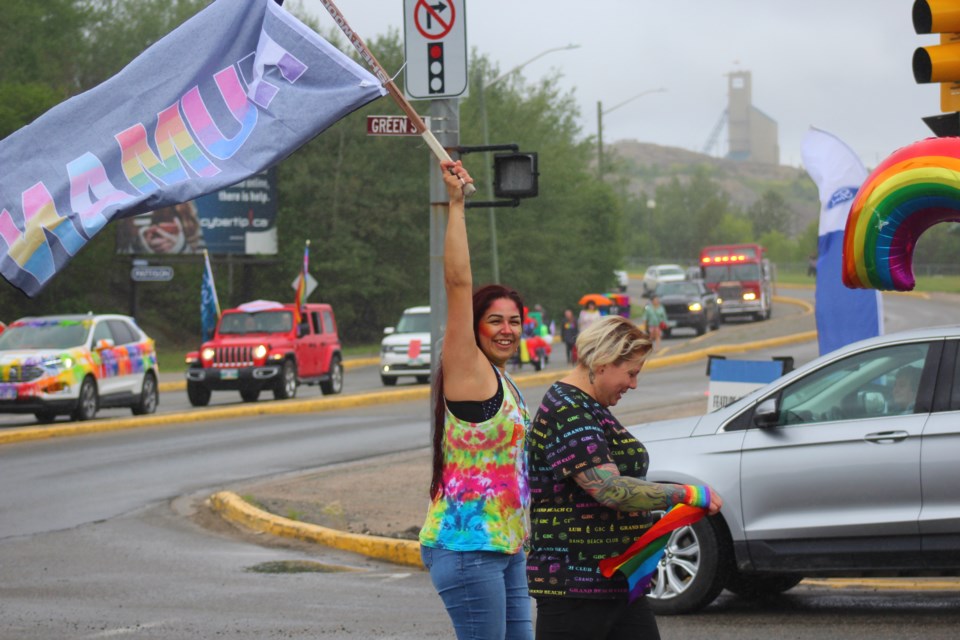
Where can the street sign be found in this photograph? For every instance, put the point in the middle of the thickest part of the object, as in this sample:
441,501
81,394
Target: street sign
311,285
435,44
151,274
392,126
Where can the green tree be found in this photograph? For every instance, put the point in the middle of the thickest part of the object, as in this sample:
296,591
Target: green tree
770,213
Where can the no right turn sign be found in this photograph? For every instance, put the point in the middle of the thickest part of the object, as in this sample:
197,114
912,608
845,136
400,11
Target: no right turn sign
435,42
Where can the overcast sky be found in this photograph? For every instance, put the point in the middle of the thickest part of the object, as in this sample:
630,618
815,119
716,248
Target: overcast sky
840,65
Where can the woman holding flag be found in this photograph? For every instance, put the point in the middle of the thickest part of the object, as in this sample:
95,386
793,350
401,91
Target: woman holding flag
476,526
589,496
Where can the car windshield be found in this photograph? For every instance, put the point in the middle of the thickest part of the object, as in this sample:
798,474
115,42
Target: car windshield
678,289
414,323
257,322
722,273
670,271
45,334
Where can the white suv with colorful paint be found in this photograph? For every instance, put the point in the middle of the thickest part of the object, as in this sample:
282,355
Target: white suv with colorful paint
75,365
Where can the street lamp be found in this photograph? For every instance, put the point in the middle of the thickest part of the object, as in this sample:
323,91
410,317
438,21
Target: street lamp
486,142
601,113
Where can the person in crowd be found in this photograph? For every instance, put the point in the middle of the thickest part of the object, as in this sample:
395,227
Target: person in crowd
655,320
588,315
905,387
590,500
472,541
568,333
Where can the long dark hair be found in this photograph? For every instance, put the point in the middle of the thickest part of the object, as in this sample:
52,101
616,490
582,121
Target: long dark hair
482,299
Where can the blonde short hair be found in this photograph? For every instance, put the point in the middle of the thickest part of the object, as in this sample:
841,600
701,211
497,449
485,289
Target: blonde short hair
611,340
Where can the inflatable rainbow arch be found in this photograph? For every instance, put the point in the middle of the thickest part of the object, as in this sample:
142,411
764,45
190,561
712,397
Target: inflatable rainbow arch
913,189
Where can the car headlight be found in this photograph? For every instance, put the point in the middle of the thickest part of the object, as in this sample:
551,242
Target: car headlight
749,295
260,351
695,306
60,363
207,353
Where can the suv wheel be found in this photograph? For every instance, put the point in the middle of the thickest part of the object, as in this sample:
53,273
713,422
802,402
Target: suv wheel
287,384
335,383
198,394
87,403
250,395
388,381
693,570
758,587
149,396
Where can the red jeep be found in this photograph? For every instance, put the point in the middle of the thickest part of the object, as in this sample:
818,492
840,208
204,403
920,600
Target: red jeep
257,346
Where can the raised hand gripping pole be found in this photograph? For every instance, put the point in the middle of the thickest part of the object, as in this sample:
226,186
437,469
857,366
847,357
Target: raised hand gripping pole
391,87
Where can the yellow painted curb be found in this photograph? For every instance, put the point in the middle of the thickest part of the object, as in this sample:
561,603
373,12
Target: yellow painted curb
328,403
912,584
233,508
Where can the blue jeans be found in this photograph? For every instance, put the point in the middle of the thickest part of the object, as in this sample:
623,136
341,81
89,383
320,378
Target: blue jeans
485,592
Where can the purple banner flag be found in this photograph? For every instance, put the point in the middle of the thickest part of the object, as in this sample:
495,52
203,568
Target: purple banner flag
232,91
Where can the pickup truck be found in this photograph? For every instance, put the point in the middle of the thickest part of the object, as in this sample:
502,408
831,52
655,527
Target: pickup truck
259,346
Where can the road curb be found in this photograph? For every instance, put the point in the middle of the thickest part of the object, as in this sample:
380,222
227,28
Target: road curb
233,508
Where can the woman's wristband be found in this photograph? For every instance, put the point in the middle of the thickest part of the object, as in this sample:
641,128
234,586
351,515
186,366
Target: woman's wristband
696,495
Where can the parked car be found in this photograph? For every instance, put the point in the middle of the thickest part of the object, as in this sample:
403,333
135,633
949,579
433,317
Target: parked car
658,273
76,365
689,304
258,346
405,349
827,471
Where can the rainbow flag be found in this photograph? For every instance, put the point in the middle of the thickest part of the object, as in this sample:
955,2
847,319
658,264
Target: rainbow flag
230,92
301,296
639,562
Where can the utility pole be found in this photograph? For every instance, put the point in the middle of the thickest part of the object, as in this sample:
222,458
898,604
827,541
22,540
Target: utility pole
445,125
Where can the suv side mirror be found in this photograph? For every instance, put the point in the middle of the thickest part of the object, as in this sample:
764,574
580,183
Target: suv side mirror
766,414
388,330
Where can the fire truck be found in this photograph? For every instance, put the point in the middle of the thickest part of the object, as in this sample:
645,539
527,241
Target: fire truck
742,278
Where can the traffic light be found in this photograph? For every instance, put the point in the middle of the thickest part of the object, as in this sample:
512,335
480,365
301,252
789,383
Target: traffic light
435,67
515,175
940,63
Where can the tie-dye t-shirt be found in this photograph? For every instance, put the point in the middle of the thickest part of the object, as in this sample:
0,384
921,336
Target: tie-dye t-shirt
570,531
485,496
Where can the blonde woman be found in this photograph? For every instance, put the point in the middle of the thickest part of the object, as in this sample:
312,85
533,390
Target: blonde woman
589,499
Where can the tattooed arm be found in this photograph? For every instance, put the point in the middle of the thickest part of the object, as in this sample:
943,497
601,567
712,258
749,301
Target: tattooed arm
605,485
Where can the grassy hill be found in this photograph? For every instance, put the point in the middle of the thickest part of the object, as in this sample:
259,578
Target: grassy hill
645,166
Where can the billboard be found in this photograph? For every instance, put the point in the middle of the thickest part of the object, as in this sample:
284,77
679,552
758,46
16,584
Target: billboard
240,219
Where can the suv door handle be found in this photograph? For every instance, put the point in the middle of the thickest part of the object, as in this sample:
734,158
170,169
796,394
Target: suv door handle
886,437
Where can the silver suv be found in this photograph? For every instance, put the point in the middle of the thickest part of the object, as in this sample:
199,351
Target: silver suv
405,349
846,466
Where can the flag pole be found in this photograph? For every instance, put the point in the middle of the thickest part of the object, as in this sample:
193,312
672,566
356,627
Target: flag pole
391,87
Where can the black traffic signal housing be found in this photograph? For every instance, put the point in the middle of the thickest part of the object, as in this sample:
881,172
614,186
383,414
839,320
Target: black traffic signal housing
515,175
435,67
940,63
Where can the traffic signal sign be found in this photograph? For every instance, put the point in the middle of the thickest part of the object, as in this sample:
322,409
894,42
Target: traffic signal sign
435,67
940,62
